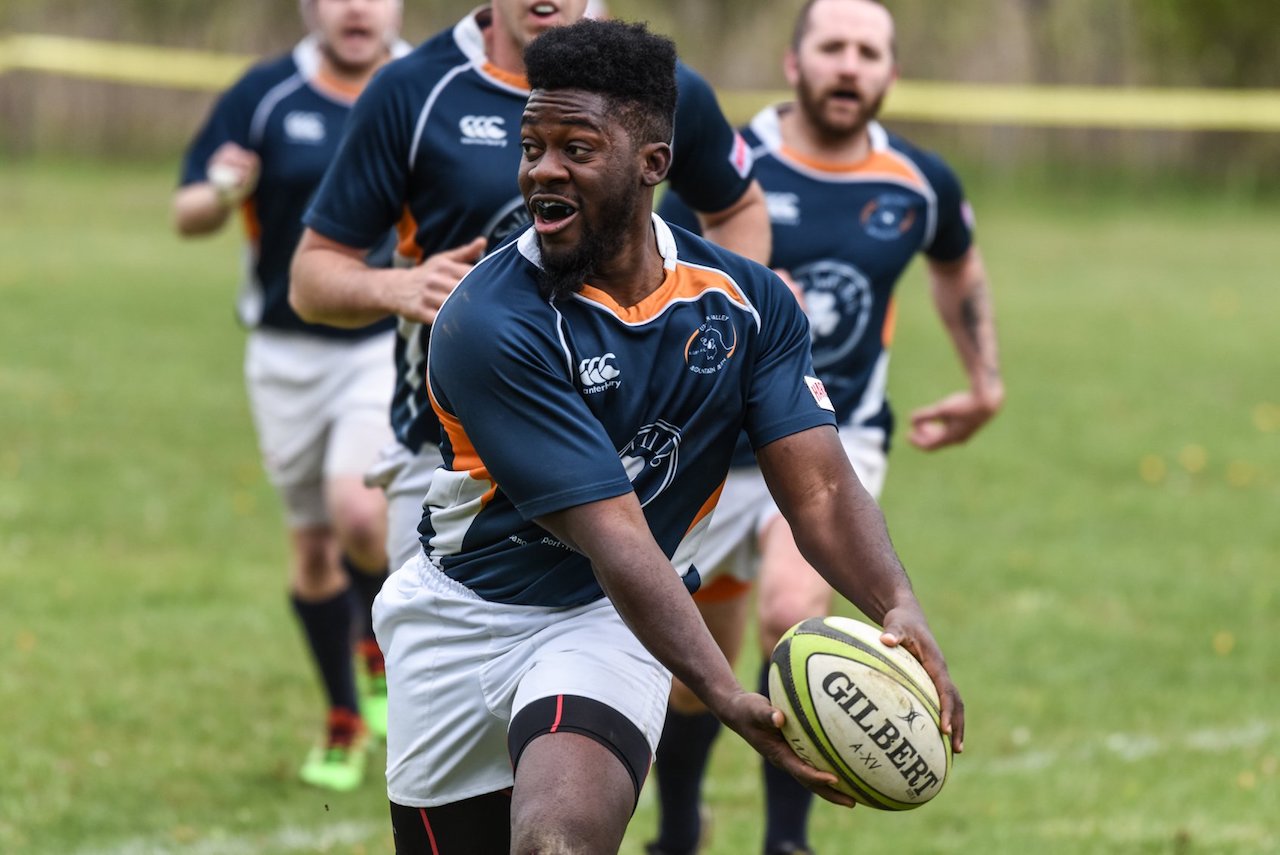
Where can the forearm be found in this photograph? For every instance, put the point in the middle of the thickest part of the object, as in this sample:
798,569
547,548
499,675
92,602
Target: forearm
743,227
335,287
200,209
963,300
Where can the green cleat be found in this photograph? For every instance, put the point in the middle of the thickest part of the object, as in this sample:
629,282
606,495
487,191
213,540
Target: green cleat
372,680
338,763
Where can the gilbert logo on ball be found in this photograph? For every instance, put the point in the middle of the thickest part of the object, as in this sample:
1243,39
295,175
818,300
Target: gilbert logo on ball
865,712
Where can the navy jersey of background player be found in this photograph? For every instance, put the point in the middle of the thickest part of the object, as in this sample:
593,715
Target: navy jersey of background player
434,145
293,120
846,235
551,404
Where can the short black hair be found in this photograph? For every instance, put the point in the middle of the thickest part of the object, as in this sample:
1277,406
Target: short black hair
631,67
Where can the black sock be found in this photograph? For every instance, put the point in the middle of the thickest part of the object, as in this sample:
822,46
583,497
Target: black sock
786,802
367,585
327,625
682,758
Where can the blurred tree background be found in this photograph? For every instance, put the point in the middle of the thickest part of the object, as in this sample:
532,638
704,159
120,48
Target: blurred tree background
738,44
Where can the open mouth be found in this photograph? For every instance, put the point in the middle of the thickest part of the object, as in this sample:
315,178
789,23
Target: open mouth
846,96
551,215
543,11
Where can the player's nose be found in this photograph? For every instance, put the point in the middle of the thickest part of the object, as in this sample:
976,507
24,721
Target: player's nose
550,168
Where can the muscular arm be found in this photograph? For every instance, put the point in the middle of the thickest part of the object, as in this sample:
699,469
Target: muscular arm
841,532
330,283
963,301
743,227
643,586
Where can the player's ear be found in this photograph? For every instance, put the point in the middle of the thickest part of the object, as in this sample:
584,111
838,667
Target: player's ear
791,68
654,163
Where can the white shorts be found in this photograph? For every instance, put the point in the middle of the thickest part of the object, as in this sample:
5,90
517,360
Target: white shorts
321,407
405,477
459,668
731,546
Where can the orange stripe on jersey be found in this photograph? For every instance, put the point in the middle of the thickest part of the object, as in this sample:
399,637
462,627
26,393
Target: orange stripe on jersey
508,77
682,284
335,88
707,507
722,589
252,223
465,457
407,233
890,322
879,163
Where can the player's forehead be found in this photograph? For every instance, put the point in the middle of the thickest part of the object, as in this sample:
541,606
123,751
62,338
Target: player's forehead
567,107
849,20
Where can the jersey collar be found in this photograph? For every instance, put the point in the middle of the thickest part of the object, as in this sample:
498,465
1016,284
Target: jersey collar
767,127
527,243
306,56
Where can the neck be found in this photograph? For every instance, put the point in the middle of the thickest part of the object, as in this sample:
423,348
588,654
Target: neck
502,48
634,270
350,77
803,136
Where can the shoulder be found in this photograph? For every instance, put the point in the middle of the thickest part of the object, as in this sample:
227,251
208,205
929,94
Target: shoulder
754,282
498,294
930,164
691,87
262,77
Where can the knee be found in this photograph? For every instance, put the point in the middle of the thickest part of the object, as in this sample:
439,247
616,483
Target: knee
361,524
779,614
314,568
553,830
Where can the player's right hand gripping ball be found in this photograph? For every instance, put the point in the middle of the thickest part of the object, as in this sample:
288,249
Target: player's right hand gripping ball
865,712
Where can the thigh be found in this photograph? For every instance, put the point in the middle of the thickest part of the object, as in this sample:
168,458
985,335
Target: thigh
445,740
360,386
790,590
729,548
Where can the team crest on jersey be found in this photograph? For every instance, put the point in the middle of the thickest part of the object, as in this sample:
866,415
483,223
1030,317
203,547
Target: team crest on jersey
889,216
483,130
304,127
651,458
837,299
511,218
711,345
599,374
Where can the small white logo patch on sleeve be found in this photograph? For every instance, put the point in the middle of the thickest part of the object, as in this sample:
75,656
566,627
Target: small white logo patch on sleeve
819,393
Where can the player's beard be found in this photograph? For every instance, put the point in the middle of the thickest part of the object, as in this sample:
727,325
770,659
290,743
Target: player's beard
565,271
813,104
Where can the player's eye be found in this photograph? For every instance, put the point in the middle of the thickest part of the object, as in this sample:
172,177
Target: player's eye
577,150
530,150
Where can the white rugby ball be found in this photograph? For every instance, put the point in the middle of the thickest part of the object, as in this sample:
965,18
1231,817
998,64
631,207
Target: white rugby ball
863,711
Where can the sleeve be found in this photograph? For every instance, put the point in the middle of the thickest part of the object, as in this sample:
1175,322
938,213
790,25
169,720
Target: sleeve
712,164
785,395
363,192
954,233
674,210
513,404
228,122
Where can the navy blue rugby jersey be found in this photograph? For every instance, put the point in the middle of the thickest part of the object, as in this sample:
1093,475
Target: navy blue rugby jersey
434,146
551,404
292,117
845,234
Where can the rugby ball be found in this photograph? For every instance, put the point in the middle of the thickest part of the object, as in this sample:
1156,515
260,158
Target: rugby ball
865,712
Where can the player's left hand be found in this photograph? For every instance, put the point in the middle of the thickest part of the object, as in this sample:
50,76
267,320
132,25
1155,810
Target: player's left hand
953,419
760,724
906,627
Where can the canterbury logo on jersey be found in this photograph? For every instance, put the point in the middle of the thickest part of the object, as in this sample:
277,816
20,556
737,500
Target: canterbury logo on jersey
483,130
598,373
304,127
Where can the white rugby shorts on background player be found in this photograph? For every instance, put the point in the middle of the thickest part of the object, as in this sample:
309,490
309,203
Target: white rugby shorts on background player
405,477
732,543
459,668
321,409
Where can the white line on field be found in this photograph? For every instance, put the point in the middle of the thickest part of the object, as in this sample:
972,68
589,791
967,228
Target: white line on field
290,838
1127,747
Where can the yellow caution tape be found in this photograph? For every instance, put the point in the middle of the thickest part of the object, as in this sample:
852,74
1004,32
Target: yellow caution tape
911,100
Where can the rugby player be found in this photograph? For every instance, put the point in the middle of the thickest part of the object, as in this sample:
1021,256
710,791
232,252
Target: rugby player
851,204
433,146
591,377
319,394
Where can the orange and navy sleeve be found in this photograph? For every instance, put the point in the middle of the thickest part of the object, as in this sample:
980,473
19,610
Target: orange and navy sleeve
363,193
505,389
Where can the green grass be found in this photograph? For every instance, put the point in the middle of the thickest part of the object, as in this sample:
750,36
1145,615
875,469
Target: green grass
1100,564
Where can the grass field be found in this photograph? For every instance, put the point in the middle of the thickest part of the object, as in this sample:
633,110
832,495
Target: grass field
1102,565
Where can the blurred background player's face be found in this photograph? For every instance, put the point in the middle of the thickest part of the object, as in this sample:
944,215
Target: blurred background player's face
581,180
523,20
843,66
355,35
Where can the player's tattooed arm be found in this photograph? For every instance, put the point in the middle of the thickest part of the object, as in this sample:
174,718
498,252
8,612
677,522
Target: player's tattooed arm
963,300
